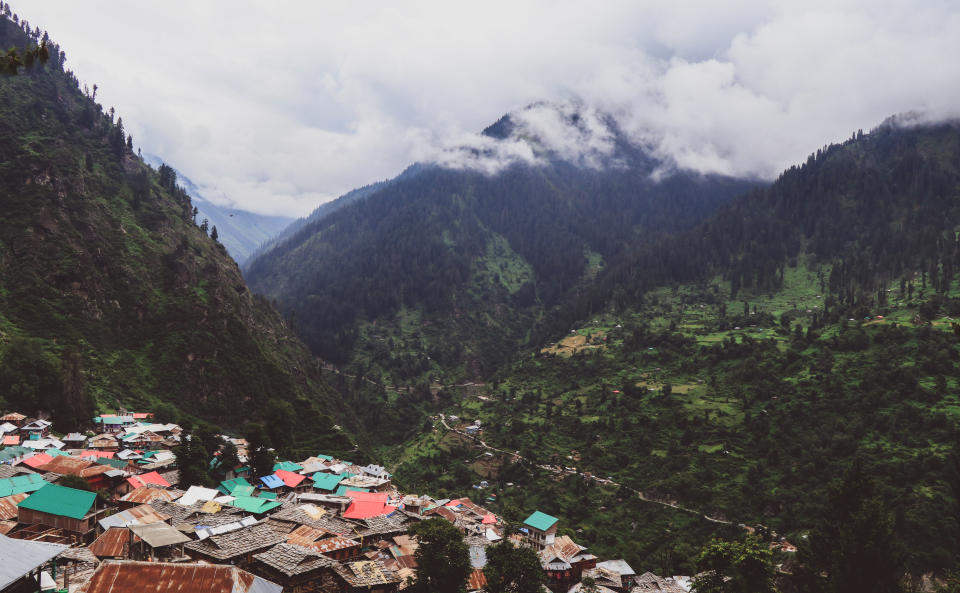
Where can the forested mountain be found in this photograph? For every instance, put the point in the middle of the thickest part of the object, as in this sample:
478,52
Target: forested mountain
445,271
877,212
241,232
290,231
110,295
740,367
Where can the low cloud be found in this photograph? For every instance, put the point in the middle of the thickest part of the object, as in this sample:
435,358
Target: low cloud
279,108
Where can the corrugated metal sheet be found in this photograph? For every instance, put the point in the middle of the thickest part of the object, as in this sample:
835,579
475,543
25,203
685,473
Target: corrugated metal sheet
21,557
140,515
206,532
163,577
145,495
159,534
60,501
8,505
112,543
307,534
332,544
66,465
477,580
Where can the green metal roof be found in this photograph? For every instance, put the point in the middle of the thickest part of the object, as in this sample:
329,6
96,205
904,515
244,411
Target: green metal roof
60,500
254,505
13,451
541,521
342,490
288,466
268,495
324,457
239,485
115,463
322,481
18,484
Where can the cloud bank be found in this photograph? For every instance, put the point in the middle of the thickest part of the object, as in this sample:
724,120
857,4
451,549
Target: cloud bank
281,106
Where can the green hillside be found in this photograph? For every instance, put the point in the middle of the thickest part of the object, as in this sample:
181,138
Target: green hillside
110,295
737,369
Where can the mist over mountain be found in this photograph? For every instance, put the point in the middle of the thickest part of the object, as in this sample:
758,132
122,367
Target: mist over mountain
240,231
458,260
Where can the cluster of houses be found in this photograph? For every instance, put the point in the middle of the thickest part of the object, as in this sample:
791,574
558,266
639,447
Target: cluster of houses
316,525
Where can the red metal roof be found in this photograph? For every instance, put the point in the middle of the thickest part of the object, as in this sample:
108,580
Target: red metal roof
152,478
291,479
364,509
107,454
11,440
368,496
37,460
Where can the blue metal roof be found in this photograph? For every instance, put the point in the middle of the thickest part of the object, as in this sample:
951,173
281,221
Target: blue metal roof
272,481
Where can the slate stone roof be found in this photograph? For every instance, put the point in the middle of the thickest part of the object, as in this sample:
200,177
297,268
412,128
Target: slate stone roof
186,517
296,515
237,543
292,560
366,573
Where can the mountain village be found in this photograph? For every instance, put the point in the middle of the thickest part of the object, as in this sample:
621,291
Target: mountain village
315,525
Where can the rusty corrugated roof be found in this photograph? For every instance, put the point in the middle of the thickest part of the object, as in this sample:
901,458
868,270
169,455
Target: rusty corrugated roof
477,580
146,494
332,544
305,533
8,505
64,466
166,577
112,543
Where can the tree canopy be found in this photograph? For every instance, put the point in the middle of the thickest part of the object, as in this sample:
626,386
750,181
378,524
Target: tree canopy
443,559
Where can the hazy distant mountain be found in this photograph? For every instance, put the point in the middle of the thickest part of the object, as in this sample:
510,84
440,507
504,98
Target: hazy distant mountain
240,231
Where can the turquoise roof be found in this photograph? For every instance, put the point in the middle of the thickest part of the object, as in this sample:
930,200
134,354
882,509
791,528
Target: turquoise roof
13,451
322,481
288,466
268,495
324,457
230,486
23,483
61,501
114,463
541,521
342,490
254,505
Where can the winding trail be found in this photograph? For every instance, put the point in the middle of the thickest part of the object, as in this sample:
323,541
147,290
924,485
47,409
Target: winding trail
552,469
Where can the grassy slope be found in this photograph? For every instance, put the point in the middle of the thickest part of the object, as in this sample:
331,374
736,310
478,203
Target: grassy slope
757,423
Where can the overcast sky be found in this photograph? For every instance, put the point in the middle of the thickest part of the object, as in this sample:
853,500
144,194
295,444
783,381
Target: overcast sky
279,106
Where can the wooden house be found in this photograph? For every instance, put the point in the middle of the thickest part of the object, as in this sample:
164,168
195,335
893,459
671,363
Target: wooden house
73,511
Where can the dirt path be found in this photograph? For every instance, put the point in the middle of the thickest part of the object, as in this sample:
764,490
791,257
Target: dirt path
550,468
